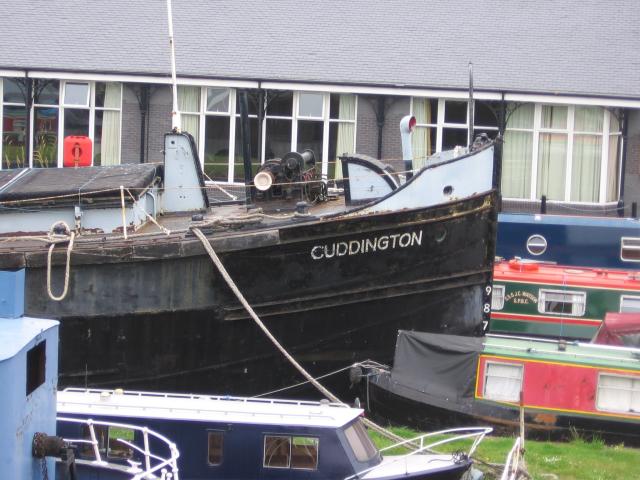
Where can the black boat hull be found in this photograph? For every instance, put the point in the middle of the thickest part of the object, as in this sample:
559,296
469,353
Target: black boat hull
333,291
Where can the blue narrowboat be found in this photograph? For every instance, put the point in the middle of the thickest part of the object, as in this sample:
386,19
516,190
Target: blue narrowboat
250,438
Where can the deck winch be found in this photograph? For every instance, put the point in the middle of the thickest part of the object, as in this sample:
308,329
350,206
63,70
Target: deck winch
292,177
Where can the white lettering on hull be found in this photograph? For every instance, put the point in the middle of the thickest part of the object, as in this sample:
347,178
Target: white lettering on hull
367,245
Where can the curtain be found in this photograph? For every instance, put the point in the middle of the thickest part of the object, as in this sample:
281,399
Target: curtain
552,159
613,158
517,152
189,101
346,130
587,154
110,139
421,137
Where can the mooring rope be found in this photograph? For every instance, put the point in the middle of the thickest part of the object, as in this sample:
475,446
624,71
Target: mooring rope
67,270
234,288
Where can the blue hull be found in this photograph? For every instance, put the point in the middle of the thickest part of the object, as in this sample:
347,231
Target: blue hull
570,240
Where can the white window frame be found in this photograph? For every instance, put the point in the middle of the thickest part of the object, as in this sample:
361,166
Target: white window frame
631,247
570,132
518,366
494,302
635,387
2,105
542,298
628,297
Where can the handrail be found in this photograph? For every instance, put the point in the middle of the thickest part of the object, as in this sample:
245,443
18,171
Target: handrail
162,464
474,432
510,471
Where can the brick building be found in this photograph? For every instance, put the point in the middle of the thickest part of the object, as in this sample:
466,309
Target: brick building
561,85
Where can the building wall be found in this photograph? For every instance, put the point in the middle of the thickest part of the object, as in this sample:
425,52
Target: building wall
367,127
130,146
159,122
632,174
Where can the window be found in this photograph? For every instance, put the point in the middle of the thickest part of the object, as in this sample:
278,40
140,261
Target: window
565,152
36,364
562,302
497,297
536,244
618,393
503,381
360,442
59,109
629,303
300,453
630,249
215,444
108,438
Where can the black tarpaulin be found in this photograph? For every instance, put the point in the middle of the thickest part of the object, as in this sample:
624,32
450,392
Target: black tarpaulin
440,365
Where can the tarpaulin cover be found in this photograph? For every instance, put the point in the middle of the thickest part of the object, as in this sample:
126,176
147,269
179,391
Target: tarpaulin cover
441,365
622,329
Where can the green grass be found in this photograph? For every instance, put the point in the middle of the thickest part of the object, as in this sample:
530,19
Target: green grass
574,460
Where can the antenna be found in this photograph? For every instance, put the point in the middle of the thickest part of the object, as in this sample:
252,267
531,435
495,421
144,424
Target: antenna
175,114
471,108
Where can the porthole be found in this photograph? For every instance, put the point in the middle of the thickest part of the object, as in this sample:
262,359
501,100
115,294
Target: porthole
448,190
536,244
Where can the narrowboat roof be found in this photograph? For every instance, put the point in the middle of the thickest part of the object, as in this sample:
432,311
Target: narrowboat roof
526,271
16,333
588,354
192,407
569,220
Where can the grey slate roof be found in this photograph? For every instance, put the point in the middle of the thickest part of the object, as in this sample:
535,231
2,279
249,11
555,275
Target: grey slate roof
583,47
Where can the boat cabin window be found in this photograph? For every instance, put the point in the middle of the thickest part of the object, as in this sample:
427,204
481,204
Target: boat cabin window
290,452
503,381
216,440
630,249
108,440
629,303
618,393
360,442
497,297
562,301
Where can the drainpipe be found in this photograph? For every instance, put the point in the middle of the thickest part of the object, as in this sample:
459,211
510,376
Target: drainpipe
260,119
623,162
246,146
380,113
28,102
406,127
143,103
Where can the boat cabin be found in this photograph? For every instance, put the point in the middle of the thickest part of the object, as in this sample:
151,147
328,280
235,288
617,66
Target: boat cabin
533,298
235,437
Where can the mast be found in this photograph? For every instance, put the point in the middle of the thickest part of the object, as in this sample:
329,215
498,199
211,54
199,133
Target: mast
175,113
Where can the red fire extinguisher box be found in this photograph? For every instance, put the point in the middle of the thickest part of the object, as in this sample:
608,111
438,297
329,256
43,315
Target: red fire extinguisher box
77,151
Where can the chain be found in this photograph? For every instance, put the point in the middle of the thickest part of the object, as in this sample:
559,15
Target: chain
45,473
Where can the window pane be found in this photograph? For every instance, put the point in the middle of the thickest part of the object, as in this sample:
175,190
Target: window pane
13,137
46,92
12,91
76,94
76,122
588,119
486,114
45,149
253,99
497,297
629,304
423,142
304,453
552,159
310,137
117,448
188,99
425,110
108,95
585,168
554,117
278,138
453,137
566,303
218,100
340,143
615,393
520,115
360,442
455,112
516,164
238,171
503,382
215,448
613,167
614,125
343,107
216,148
630,249
277,451
310,104
279,103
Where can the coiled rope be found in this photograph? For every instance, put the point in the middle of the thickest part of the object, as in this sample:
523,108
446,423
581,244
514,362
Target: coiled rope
234,288
70,239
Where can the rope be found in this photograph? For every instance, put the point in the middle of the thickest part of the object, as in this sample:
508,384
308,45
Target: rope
68,265
234,288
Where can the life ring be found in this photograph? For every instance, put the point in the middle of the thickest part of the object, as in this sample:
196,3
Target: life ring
522,265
